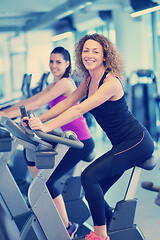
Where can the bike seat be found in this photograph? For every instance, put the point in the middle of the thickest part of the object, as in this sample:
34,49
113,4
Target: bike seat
149,164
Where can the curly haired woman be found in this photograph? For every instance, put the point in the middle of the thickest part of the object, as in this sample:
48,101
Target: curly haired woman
101,64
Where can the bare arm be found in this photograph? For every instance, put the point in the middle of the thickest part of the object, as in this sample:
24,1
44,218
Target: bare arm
62,106
52,91
109,90
33,102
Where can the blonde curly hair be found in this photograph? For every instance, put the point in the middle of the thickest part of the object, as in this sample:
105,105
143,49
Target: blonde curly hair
113,63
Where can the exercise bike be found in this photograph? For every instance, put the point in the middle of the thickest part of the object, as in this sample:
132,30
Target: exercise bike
40,221
122,224
69,185
151,187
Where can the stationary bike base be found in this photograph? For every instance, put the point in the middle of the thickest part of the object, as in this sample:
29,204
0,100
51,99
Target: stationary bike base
127,234
122,225
123,216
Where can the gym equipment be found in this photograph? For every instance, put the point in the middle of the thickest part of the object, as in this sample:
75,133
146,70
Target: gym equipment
40,84
42,220
37,219
25,90
151,187
143,99
70,187
122,223
126,229
5,220
26,83
73,194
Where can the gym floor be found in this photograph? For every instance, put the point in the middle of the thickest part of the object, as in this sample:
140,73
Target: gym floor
147,213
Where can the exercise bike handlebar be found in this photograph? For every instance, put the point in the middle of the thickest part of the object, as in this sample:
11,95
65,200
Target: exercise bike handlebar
68,139
69,135
30,136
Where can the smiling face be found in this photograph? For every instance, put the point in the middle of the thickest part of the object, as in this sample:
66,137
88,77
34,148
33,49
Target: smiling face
92,55
58,65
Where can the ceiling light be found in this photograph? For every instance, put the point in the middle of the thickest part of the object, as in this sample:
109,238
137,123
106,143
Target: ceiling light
145,11
61,36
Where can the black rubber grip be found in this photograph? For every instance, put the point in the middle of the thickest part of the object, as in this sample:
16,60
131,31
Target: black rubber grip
23,111
30,113
24,114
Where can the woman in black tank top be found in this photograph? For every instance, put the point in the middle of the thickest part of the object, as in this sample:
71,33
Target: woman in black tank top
101,64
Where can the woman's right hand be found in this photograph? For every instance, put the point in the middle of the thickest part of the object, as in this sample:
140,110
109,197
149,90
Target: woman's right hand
36,124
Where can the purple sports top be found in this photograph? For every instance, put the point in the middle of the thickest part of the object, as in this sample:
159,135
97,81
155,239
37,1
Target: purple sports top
79,126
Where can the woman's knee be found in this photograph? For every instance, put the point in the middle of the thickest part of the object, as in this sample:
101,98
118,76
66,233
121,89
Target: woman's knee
86,177
52,189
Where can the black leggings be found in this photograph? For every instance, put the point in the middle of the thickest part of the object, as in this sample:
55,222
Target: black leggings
100,175
72,157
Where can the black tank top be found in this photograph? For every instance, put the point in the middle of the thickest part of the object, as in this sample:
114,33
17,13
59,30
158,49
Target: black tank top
116,120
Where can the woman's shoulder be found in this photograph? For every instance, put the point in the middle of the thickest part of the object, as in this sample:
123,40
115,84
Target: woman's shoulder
70,81
110,76
115,85
63,81
67,85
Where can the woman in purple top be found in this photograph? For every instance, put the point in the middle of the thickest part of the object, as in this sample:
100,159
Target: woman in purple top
62,87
